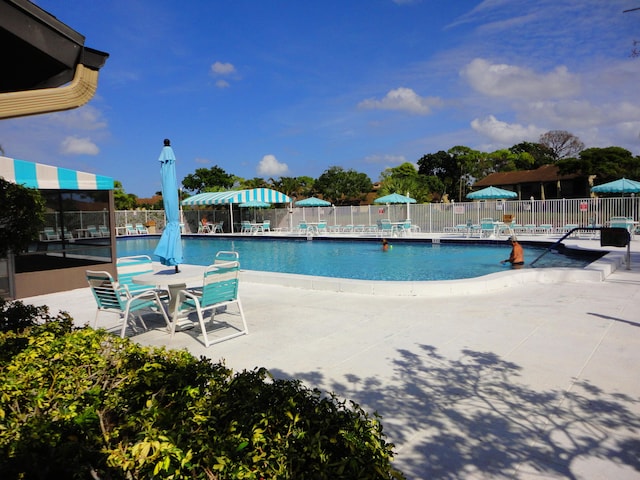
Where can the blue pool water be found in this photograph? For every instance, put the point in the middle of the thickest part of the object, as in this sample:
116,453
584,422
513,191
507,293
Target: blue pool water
363,260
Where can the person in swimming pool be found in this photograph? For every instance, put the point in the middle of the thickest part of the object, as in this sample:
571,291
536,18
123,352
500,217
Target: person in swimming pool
516,258
385,245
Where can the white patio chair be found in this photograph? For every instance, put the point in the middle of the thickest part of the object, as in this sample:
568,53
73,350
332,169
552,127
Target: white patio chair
219,289
111,298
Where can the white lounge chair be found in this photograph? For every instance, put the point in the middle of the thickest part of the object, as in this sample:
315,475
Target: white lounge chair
141,229
50,234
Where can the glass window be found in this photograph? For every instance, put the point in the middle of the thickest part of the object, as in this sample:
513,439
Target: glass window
76,232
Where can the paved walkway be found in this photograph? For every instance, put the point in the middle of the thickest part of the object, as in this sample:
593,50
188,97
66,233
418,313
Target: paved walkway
536,380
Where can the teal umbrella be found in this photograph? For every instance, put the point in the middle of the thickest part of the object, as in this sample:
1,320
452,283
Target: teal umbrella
169,248
312,202
622,185
394,198
492,193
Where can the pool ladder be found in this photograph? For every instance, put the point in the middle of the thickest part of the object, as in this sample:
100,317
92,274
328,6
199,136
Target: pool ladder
592,229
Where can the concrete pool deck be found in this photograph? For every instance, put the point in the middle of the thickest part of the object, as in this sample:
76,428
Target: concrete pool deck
488,379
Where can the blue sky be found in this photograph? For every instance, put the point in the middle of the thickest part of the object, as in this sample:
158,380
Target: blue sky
270,88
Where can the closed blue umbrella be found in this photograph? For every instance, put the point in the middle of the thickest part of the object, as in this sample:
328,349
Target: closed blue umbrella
169,248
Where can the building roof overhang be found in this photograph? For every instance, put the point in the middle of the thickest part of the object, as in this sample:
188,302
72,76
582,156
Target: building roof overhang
40,54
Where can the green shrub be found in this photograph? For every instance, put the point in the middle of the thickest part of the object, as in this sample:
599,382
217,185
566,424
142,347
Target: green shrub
83,403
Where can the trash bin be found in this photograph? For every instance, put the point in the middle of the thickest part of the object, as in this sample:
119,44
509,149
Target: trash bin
151,226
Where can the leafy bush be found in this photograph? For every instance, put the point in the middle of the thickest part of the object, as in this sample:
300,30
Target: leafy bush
82,403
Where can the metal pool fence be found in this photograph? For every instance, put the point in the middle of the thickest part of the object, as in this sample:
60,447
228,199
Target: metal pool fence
428,217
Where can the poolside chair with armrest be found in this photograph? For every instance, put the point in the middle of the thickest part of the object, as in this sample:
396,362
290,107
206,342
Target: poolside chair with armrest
322,227
93,232
404,228
621,222
246,227
487,227
141,229
129,267
386,228
111,298
49,234
302,227
104,231
66,234
219,289
265,226
130,229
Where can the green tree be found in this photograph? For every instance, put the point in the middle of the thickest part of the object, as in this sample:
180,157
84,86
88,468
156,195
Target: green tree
471,165
214,179
445,167
405,179
21,217
343,187
606,164
295,187
542,155
505,160
123,200
255,182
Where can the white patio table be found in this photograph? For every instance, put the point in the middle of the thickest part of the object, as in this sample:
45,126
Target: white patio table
174,282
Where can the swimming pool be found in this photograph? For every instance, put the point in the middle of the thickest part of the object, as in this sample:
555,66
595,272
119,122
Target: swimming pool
363,260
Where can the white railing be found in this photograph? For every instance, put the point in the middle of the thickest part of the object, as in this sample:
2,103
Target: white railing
429,217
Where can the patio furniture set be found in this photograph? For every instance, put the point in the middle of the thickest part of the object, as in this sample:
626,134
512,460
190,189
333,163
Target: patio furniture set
181,298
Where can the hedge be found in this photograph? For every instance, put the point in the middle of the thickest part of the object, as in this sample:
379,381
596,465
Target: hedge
80,403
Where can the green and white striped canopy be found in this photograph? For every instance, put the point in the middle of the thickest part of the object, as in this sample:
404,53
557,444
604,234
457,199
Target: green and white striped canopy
237,196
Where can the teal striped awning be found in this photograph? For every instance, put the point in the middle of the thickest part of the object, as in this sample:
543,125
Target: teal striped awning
237,196
47,177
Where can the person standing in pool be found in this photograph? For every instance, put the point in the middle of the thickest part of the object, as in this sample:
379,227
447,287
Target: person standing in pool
516,258
385,245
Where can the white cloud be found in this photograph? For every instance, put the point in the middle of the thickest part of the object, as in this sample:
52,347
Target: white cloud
78,146
386,159
506,133
270,166
402,99
222,84
502,80
83,118
219,68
